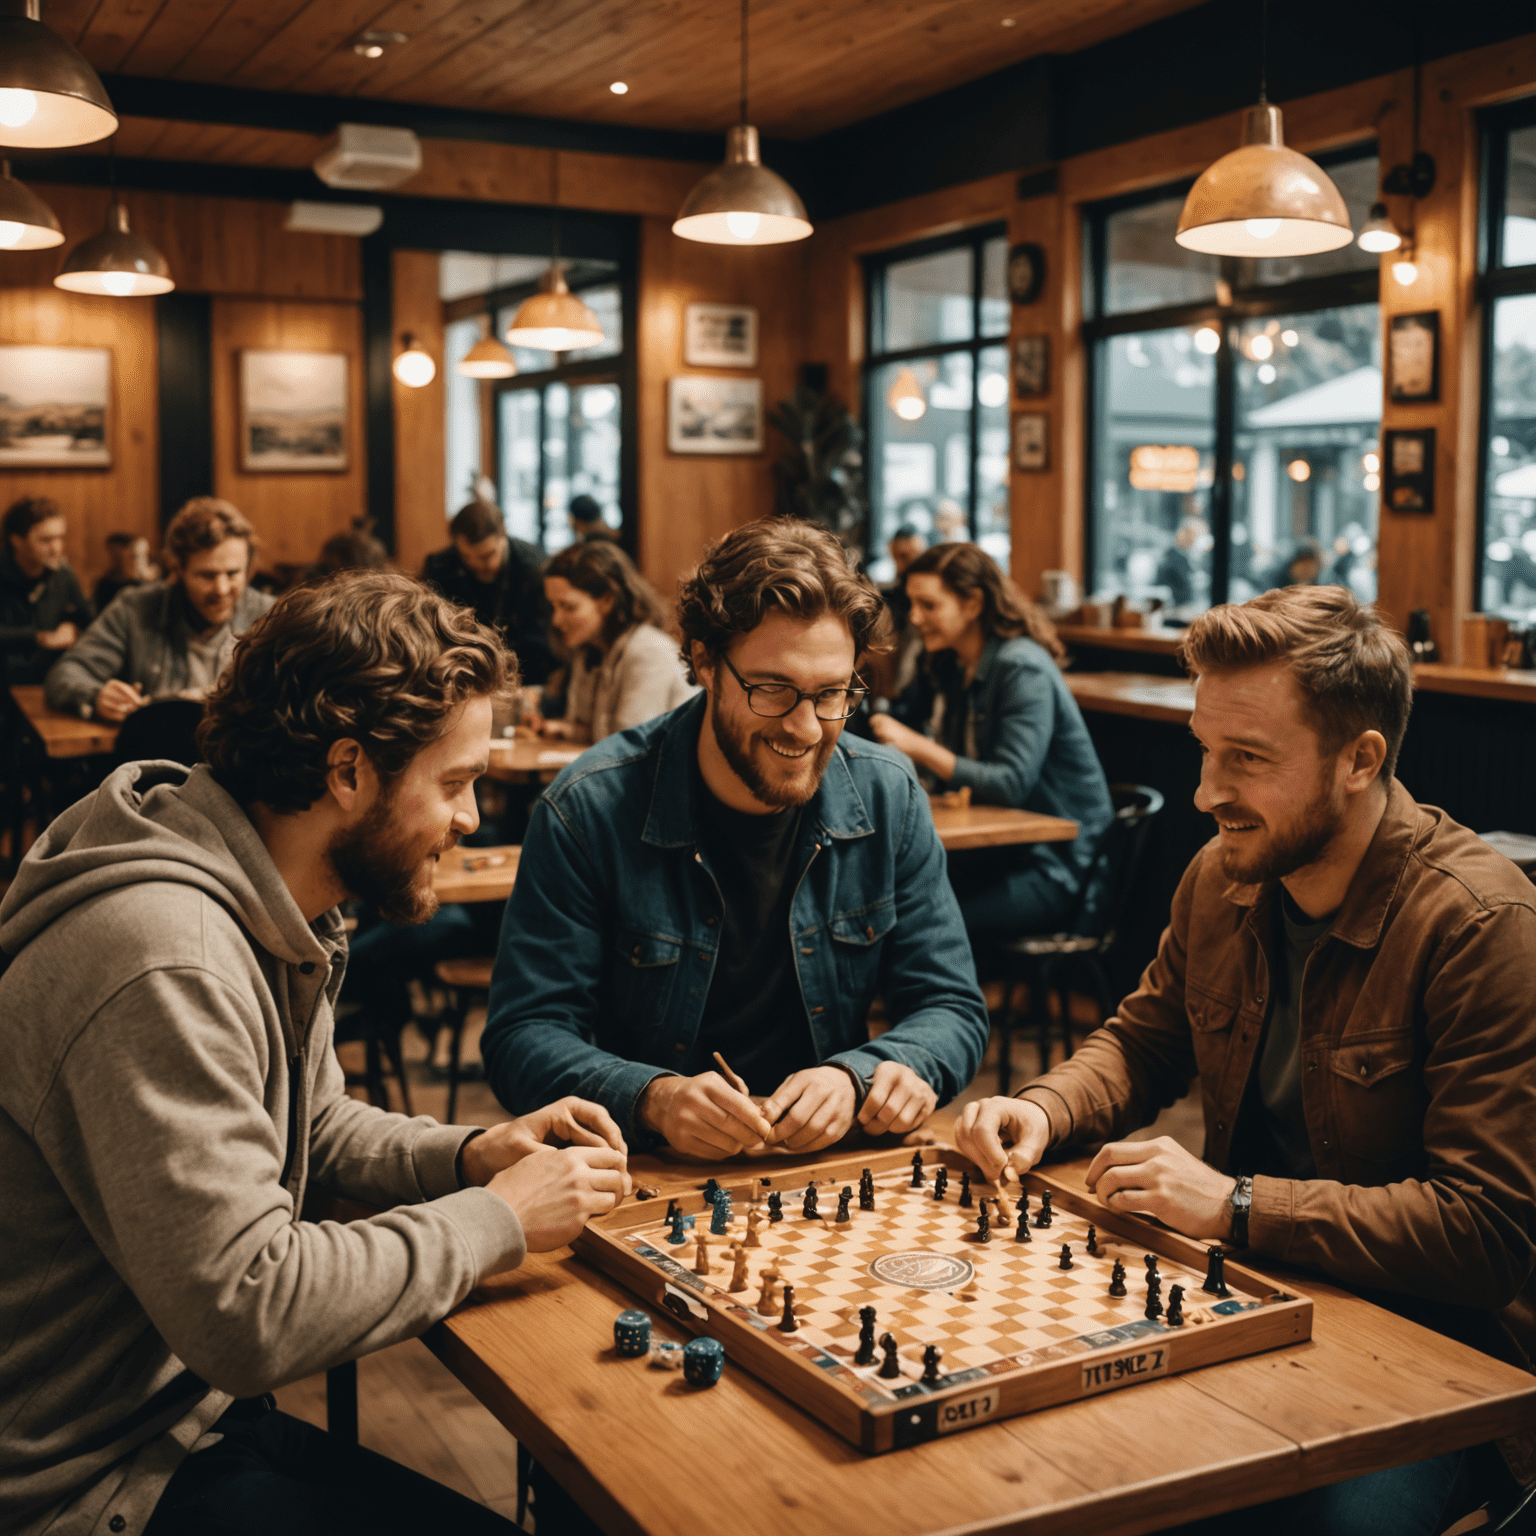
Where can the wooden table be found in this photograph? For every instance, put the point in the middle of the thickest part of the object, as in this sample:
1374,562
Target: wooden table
62,735
477,874
641,1451
994,826
1134,693
526,760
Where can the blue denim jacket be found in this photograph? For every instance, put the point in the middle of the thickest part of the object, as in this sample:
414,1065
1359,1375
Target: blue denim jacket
609,941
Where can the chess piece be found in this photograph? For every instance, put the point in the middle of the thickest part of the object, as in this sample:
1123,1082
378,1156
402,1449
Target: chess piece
1023,1197
866,1351
775,1207
917,1171
965,1188
739,1273
1065,1261
1117,1279
679,1232
787,1323
711,1189
1150,1260
754,1221
983,1224
1001,1213
1022,1235
1093,1242
1176,1306
721,1219
940,1182
931,1358
1215,1275
866,1191
671,1210
890,1366
843,1218
808,1209
766,1299
1044,1218
1154,1309
701,1252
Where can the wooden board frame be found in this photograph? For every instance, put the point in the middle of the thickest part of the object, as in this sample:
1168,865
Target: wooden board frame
861,1411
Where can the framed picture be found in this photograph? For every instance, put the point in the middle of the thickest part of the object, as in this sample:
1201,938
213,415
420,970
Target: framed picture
293,411
1413,357
1031,366
706,414
54,403
1408,484
1026,272
720,336
1031,435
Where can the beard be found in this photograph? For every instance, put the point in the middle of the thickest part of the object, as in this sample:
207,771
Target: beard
739,748
1294,846
383,867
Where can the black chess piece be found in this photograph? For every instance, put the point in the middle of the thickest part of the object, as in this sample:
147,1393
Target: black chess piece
711,1189
918,1181
1022,1234
1065,1262
1154,1308
867,1195
866,1350
965,1188
787,1323
1150,1260
983,1224
842,1203
1045,1216
1117,1279
1176,1306
931,1358
1093,1241
671,1212
1215,1275
1023,1196
940,1182
775,1207
808,1209
890,1366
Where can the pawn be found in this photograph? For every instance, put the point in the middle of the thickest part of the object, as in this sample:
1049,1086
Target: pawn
867,1196
890,1366
1154,1307
940,1182
1065,1262
1022,1235
1046,1214
775,1207
1176,1306
1023,1198
1150,1260
965,1188
808,1209
679,1232
754,1221
843,1218
739,1271
931,1358
917,1171
1001,1211
1093,1243
701,1252
787,1323
983,1224
866,1350
769,1279
1117,1279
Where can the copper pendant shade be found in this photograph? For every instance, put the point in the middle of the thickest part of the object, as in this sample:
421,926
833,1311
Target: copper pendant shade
116,262
554,319
27,223
742,202
50,98
1264,199
488,358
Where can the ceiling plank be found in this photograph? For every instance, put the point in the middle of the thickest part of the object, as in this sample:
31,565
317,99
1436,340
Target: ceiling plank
114,29
245,26
70,18
344,73
316,33
167,41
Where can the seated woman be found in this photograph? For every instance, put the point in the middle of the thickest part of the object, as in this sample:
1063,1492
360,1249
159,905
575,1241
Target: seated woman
625,668
989,709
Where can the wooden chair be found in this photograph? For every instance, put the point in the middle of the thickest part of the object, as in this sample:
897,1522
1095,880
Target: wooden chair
381,1055
467,983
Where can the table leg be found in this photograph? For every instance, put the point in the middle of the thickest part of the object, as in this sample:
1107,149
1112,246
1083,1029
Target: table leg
341,1401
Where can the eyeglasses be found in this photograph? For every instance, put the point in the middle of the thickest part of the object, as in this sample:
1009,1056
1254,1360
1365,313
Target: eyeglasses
775,700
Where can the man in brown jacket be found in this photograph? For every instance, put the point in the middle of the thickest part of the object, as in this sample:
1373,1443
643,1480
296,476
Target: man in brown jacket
1349,975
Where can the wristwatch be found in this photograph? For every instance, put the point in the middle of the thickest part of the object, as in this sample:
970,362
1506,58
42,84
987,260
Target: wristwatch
1239,1204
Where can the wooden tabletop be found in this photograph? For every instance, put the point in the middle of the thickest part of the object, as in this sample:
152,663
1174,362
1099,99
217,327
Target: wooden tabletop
1151,641
1134,693
524,759
994,826
477,874
1369,1391
62,735
1480,682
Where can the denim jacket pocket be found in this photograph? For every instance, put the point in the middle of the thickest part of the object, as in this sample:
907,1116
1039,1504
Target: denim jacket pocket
857,939
645,974
1379,1102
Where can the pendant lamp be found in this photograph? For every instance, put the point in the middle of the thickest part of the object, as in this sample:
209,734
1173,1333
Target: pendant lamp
487,359
906,396
742,202
1378,233
116,262
50,98
27,223
554,319
413,367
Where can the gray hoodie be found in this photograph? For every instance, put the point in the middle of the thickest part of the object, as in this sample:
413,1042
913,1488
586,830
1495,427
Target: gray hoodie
169,1092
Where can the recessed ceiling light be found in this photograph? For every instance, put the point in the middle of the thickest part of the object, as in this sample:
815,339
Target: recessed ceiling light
371,44
619,88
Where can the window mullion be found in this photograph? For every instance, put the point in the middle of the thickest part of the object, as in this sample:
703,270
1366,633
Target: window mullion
1221,469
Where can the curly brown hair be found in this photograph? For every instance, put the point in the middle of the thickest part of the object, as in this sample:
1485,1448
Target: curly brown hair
1006,613
368,655
205,522
601,569
778,563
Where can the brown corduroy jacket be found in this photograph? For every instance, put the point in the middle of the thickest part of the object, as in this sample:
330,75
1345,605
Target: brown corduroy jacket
1418,1041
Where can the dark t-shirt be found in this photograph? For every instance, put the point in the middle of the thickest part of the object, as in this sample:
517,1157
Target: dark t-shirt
754,1014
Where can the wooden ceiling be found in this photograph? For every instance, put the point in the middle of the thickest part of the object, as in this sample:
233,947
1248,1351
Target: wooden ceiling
816,64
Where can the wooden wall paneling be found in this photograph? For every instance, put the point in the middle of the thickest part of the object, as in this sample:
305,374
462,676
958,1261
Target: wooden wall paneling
420,519
125,496
294,513
686,499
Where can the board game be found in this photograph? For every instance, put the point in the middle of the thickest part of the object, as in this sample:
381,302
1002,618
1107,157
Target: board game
968,1330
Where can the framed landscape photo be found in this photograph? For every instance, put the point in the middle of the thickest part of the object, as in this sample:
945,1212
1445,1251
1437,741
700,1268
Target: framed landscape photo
1408,484
1031,436
1413,357
293,411
706,414
54,407
1031,366
720,336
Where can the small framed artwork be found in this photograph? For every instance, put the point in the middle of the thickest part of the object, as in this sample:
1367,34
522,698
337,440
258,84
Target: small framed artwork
706,414
1413,357
1031,366
1031,434
1409,482
54,404
1026,272
293,411
720,336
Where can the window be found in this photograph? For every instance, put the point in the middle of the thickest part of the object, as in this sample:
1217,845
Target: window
1236,408
936,393
1508,533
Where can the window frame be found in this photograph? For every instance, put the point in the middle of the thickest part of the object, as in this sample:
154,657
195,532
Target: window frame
1336,290
875,265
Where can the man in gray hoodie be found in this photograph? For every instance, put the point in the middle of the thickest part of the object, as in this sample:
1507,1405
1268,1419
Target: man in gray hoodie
173,953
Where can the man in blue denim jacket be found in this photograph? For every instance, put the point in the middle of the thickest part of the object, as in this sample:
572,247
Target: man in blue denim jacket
733,878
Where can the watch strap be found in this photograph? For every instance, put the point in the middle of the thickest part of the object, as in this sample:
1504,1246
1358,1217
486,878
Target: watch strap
1240,1203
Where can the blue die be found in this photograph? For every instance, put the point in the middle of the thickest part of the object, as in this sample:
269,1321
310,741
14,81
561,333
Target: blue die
632,1333
703,1361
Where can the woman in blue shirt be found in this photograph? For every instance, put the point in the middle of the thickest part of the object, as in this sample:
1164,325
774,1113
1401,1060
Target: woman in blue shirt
989,709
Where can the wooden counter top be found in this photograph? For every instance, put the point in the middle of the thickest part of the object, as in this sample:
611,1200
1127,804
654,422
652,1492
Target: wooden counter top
1479,682
1154,642
1171,699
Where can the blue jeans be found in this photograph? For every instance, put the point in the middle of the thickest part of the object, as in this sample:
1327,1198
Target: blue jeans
275,1474
1004,896
1420,1499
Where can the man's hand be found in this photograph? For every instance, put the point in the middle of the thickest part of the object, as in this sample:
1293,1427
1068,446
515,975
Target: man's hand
117,700
555,1194
566,1122
703,1116
998,1134
810,1110
59,639
898,1101
1159,1178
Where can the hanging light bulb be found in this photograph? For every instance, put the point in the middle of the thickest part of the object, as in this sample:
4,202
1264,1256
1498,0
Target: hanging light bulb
742,202
27,223
413,367
906,397
1378,233
487,359
554,319
116,262
1405,269
50,98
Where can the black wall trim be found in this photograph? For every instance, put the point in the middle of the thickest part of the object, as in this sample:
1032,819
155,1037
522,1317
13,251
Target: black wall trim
183,322
378,365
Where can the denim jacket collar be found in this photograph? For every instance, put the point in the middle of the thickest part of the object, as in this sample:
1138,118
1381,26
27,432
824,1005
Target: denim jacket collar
838,808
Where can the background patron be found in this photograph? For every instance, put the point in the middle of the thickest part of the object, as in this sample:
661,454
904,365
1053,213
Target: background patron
41,604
